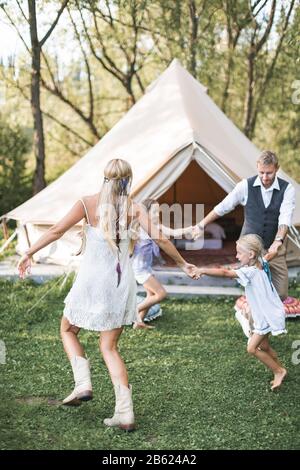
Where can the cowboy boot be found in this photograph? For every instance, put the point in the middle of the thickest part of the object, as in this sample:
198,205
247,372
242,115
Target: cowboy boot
83,386
123,416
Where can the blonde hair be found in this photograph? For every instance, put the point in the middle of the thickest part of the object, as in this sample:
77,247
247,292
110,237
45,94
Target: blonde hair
252,242
114,202
113,206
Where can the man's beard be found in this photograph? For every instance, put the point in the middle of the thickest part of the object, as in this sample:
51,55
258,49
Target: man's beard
268,184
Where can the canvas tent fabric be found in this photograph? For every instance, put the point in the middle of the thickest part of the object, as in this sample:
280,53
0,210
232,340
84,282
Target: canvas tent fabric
175,124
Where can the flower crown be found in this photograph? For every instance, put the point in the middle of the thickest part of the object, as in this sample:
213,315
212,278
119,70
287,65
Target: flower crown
123,182
106,179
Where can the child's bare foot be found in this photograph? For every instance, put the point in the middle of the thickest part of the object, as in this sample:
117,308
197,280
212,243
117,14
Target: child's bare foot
278,379
142,325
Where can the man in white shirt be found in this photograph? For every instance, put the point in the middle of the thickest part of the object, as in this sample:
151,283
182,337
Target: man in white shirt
268,203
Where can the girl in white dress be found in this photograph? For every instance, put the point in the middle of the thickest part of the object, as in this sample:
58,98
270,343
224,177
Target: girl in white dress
103,296
266,307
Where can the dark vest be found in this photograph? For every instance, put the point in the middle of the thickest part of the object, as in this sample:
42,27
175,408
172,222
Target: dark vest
257,218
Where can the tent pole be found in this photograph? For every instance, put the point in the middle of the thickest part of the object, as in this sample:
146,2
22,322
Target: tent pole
174,193
4,228
27,237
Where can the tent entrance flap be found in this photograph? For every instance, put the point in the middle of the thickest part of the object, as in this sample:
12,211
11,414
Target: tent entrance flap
196,187
166,177
191,177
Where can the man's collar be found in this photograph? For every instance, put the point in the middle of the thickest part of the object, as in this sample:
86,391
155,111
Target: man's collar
275,184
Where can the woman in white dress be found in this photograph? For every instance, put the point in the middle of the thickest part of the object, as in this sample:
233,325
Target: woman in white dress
267,309
103,296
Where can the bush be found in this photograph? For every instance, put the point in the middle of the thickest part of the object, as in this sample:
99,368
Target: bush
15,183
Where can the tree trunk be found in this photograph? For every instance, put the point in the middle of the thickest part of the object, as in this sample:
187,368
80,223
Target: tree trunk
255,108
39,142
227,81
194,23
248,129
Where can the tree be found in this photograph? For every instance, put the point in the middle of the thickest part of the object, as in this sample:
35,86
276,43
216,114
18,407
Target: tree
237,18
15,185
185,30
55,87
35,51
116,39
259,59
282,102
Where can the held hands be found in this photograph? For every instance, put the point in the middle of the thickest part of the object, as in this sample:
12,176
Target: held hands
199,272
190,270
273,250
197,231
24,266
270,255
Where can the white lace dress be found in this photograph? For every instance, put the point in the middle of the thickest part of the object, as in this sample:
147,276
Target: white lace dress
95,302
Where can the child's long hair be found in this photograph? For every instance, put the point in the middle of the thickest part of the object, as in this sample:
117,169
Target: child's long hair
252,242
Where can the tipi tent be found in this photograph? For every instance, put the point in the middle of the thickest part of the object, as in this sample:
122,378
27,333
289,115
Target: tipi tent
181,146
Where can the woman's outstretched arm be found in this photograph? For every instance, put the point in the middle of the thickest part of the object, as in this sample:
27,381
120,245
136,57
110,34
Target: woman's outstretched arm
176,232
54,233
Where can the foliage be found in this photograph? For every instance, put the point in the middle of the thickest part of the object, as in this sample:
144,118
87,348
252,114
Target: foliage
103,55
15,183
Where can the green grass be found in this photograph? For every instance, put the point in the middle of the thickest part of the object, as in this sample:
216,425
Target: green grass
194,386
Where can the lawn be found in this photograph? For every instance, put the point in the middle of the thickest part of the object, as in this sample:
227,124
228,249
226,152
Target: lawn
194,386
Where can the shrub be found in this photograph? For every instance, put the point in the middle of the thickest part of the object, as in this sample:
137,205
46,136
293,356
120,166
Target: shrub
15,182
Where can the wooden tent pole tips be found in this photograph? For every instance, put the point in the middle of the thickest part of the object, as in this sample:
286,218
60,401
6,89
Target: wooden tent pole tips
27,236
4,228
